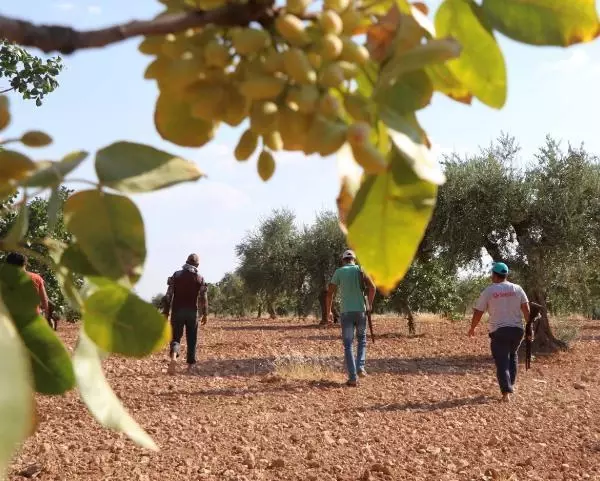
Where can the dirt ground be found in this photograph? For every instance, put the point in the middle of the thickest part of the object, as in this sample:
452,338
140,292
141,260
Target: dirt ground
269,404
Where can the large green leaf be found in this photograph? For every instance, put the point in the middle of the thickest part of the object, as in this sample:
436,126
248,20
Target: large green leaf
110,232
366,78
14,165
411,92
381,7
118,321
388,219
544,22
432,52
406,123
16,393
100,398
445,82
131,167
480,67
53,173
50,361
75,260
64,275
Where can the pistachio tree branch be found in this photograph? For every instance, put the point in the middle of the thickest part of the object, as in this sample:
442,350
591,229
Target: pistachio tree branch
66,40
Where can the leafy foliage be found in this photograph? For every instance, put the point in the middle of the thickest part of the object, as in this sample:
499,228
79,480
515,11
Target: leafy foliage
40,227
27,74
269,258
543,220
230,296
90,247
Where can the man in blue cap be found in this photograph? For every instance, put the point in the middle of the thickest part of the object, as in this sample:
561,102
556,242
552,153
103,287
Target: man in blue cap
505,302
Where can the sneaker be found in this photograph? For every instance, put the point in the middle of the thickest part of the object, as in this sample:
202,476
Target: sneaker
352,382
362,373
192,369
506,397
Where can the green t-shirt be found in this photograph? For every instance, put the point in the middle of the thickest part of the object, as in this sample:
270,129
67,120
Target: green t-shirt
347,280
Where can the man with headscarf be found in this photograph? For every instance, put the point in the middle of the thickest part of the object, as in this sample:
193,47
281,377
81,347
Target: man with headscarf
505,303
185,302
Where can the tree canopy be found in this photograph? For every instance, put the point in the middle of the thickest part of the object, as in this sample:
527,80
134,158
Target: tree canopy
30,76
41,225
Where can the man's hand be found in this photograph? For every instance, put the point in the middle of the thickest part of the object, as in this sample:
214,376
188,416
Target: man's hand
471,332
203,319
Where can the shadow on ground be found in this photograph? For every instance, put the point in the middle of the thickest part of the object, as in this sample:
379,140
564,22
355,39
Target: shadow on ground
457,365
431,406
262,388
268,327
260,366
337,336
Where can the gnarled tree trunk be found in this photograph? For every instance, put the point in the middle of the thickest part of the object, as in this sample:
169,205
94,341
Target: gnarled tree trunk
412,327
544,340
323,305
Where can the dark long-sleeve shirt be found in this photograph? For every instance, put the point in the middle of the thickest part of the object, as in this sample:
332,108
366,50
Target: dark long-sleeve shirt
187,290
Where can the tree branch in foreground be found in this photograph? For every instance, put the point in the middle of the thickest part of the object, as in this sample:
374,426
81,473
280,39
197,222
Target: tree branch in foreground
66,40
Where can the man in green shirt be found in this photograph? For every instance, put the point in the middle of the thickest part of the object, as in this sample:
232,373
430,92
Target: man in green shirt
350,279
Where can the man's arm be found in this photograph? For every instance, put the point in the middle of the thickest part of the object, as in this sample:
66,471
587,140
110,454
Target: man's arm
168,299
43,297
477,315
525,305
478,310
203,301
331,290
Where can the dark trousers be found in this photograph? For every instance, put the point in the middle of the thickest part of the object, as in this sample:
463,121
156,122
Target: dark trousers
505,344
188,319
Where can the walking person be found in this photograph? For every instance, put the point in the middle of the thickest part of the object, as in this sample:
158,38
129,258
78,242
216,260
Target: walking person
505,303
185,303
351,282
20,261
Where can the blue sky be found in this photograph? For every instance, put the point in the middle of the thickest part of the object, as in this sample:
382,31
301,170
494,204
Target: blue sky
103,98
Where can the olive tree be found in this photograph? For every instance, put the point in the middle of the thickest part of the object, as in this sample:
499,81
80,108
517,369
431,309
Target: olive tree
269,263
543,220
322,246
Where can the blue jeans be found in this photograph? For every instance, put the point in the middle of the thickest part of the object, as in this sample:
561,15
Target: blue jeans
505,344
354,321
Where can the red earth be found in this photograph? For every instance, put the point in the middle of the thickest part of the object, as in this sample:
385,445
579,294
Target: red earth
269,403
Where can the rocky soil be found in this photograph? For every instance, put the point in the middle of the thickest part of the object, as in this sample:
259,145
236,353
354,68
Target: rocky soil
269,403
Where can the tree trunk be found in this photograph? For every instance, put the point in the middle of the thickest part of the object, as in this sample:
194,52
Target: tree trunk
271,309
323,305
412,328
544,340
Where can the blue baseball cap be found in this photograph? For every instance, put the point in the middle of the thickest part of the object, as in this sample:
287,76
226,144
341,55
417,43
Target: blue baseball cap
500,268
